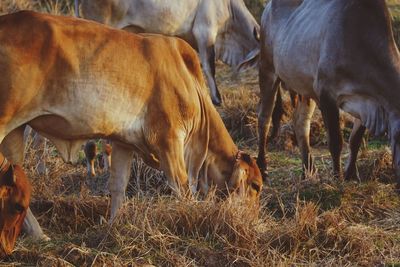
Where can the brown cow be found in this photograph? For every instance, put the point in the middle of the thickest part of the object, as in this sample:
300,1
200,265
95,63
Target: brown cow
15,193
72,80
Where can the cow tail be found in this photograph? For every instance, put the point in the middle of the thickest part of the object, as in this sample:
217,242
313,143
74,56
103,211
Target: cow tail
76,6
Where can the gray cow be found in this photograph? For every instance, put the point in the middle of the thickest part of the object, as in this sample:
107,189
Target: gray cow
218,29
340,53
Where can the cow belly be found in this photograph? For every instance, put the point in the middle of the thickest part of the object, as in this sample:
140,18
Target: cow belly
81,129
69,137
174,18
368,110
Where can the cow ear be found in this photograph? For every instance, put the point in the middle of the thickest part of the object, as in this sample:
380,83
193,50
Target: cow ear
252,60
8,178
246,158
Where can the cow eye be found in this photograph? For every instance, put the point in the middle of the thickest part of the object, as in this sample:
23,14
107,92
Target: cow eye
256,187
18,208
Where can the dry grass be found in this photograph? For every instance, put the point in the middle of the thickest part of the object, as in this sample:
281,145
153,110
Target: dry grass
319,221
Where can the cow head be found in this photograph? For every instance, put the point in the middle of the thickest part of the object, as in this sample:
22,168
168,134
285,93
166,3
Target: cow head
246,179
15,193
240,38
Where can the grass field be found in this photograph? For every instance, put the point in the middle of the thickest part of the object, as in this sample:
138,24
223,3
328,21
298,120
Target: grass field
318,221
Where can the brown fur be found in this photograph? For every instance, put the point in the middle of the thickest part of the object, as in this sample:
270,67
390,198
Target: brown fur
155,82
15,192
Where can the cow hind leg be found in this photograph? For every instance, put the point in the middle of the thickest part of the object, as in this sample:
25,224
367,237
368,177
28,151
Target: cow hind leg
205,45
355,141
330,114
277,115
209,70
302,120
119,176
268,89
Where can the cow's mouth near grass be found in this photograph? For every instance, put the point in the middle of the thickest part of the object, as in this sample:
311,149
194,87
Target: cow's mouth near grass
6,242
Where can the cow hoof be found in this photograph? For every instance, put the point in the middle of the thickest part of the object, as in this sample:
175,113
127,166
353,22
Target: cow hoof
45,238
265,177
397,189
352,174
42,237
217,102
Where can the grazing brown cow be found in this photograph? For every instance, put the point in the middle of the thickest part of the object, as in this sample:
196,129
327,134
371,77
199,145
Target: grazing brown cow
340,53
15,193
72,80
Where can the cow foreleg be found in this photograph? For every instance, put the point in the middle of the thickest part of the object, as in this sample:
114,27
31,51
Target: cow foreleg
12,146
330,114
119,176
355,141
302,120
277,115
172,163
194,161
32,228
268,87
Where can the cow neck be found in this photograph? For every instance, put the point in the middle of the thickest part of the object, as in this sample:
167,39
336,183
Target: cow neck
221,144
4,166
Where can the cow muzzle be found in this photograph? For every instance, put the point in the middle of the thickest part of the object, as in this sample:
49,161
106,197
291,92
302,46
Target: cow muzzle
7,241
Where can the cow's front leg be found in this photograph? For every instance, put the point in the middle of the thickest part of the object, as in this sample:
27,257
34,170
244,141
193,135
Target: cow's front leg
268,87
32,228
355,141
302,120
172,163
330,114
13,149
119,176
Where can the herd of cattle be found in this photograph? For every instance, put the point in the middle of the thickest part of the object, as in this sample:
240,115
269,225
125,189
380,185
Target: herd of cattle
73,79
